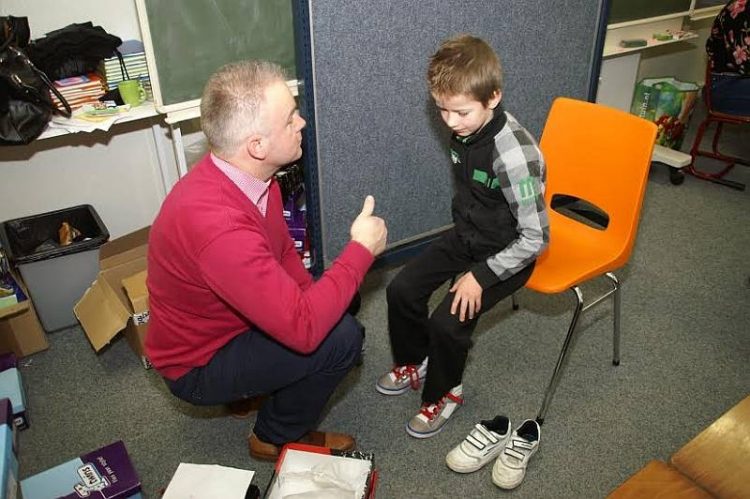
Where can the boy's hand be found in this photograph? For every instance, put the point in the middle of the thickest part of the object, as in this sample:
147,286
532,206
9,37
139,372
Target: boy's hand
468,297
369,230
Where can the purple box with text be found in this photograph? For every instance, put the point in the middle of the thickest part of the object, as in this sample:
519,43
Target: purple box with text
105,473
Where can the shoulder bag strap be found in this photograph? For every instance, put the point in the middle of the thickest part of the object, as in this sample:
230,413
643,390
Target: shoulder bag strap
33,92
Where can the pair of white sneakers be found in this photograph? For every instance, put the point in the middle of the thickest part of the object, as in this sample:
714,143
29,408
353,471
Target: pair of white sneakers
494,439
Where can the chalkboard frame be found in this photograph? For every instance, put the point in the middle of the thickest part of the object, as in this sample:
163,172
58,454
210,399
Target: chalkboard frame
186,108
650,17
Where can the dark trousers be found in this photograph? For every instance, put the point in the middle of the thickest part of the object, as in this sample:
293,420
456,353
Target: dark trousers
298,385
440,336
730,94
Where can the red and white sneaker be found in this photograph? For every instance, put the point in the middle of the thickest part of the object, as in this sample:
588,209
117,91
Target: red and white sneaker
432,417
401,378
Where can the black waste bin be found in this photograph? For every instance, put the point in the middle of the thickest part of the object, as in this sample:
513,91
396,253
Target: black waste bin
55,275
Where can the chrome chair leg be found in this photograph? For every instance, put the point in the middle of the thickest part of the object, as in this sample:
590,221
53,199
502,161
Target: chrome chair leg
563,354
513,301
616,318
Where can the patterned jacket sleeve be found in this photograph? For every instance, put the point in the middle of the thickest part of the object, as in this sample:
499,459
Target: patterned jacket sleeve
520,169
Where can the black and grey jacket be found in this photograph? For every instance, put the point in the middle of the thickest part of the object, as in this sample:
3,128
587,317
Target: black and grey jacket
498,208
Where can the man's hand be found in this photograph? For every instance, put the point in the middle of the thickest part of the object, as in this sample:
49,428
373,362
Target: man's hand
468,297
369,230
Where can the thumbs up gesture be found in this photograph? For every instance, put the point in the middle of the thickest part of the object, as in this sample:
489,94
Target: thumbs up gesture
369,230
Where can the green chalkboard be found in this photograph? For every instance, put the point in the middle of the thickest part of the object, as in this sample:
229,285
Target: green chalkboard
190,39
633,10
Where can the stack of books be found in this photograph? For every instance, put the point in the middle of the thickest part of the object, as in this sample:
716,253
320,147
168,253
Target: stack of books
79,90
134,57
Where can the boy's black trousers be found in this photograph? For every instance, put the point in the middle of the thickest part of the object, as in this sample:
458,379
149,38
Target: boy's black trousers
441,336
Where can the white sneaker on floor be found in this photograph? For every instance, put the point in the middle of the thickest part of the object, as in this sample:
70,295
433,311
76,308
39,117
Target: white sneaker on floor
432,417
510,468
481,445
399,379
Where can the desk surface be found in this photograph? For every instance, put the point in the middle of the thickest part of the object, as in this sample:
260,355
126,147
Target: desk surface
145,110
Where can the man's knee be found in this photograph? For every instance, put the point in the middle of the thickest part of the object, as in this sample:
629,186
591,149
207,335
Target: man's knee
347,337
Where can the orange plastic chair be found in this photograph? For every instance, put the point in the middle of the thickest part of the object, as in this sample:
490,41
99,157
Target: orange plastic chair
713,116
600,155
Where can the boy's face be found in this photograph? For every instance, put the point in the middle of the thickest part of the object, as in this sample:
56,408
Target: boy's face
463,114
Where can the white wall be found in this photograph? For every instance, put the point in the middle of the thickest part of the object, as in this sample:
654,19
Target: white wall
685,61
116,172
115,16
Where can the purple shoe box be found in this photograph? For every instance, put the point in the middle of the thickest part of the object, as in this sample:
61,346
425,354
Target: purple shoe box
8,361
106,473
298,236
294,210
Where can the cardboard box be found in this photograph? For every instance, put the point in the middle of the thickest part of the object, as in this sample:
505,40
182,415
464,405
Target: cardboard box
20,330
105,473
118,299
11,387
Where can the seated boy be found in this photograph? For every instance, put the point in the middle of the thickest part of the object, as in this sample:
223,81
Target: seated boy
500,227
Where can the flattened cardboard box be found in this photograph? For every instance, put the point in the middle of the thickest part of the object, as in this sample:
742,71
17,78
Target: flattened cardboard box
118,300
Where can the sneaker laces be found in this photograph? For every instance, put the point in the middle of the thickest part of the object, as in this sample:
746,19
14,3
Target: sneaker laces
431,411
411,371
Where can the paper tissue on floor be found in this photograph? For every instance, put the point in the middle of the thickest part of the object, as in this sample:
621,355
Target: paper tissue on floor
307,471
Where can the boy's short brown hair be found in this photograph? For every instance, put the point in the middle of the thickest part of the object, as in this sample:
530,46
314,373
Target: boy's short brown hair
467,65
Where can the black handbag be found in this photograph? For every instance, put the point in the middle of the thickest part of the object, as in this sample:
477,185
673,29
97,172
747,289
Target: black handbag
25,105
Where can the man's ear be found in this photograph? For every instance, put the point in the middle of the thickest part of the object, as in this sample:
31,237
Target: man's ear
257,146
495,99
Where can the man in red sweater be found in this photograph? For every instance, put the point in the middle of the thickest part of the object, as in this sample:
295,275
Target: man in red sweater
234,314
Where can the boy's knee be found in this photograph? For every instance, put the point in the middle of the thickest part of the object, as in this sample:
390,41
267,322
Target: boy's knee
446,327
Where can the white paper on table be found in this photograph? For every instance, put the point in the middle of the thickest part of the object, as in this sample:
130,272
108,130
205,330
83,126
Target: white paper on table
199,481
75,124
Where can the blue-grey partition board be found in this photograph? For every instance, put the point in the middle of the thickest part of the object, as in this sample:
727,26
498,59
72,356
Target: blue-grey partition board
378,130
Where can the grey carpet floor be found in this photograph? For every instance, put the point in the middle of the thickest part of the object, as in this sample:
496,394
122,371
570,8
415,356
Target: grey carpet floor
685,352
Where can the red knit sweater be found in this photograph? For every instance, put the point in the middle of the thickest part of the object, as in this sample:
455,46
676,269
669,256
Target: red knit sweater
217,267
